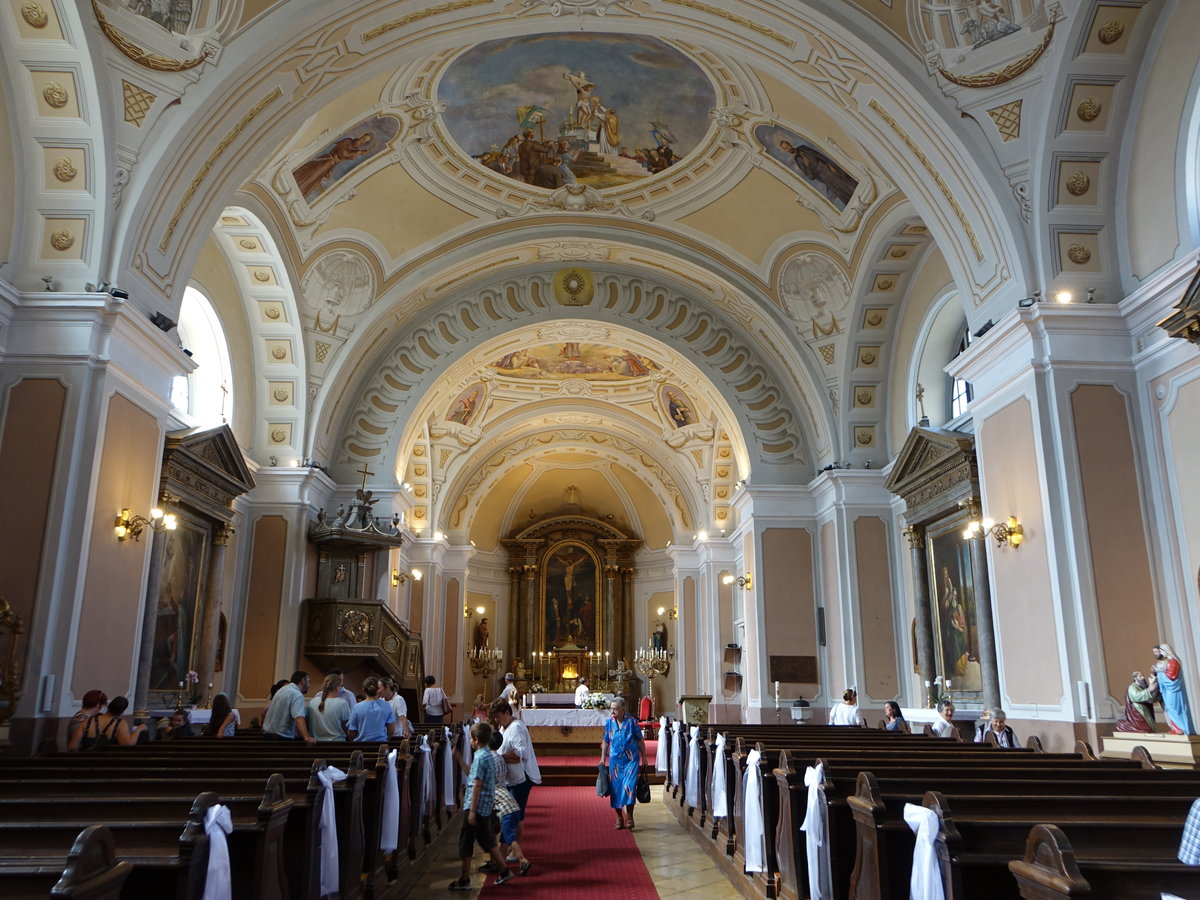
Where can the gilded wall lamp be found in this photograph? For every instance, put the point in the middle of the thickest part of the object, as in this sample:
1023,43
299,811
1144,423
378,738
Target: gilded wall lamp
672,613
398,578
1008,533
745,582
128,526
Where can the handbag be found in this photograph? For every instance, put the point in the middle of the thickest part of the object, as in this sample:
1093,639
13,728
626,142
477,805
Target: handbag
603,787
643,787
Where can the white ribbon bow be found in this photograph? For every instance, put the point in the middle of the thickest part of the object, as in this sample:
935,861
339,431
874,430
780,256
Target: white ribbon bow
691,790
926,881
816,836
449,789
676,750
389,832
218,823
428,779
661,763
755,832
720,798
328,777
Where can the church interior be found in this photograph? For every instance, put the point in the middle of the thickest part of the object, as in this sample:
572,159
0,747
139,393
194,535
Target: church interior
723,353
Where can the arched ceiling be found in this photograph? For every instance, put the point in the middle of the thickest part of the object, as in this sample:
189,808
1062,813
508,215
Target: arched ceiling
392,271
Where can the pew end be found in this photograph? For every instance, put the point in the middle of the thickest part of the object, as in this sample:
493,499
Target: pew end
93,871
1034,743
1048,869
1084,749
1141,755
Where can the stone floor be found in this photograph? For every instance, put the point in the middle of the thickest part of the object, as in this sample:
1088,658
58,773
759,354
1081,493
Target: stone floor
679,868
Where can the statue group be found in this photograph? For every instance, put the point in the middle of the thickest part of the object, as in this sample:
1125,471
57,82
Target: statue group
1164,686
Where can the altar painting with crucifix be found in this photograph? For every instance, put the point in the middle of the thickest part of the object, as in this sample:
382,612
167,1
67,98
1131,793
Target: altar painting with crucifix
570,590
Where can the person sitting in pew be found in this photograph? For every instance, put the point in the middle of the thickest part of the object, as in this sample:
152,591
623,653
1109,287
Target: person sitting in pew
178,728
93,702
997,724
224,720
328,713
372,720
847,712
285,716
944,727
109,728
893,718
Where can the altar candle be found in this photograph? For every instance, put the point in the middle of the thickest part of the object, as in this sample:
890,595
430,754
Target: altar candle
926,684
947,684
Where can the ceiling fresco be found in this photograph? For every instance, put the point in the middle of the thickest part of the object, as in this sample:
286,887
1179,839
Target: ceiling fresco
601,110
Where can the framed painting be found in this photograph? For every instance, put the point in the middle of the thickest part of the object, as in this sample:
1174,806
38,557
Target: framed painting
180,598
570,589
952,583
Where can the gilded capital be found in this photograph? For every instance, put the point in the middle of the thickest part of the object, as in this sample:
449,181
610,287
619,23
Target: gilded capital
222,536
916,536
973,507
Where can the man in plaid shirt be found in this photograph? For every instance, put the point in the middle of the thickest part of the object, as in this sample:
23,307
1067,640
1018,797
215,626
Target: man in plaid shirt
480,802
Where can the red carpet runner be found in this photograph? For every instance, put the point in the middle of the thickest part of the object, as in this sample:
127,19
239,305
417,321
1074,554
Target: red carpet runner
575,852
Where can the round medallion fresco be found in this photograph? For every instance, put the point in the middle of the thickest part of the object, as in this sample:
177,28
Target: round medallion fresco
555,109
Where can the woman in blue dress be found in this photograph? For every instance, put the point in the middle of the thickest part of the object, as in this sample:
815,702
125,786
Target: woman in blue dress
624,753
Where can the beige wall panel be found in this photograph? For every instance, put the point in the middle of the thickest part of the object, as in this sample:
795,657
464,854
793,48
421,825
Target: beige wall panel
1120,558
1151,194
264,604
754,646
112,591
416,606
454,624
28,450
833,615
1026,633
1183,432
789,586
873,569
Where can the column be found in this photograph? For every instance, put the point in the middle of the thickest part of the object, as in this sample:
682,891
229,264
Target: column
516,615
612,640
530,605
207,658
916,550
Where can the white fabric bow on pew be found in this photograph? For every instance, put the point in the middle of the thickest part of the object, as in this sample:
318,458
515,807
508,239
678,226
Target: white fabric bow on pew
449,789
218,884
691,782
661,764
756,838
926,881
676,750
719,799
816,836
428,779
389,834
328,777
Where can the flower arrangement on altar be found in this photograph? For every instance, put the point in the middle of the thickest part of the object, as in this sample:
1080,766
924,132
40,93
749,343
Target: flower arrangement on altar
596,701
537,688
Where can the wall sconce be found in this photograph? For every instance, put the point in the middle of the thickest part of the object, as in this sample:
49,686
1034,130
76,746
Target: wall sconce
1009,532
417,575
672,613
398,578
745,582
468,612
128,526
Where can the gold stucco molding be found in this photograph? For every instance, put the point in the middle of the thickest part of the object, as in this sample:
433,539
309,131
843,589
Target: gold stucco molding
143,57
1007,73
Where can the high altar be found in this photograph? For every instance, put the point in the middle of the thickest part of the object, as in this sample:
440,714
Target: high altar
571,587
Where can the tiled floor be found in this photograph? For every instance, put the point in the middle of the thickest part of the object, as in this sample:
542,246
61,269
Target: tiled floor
679,868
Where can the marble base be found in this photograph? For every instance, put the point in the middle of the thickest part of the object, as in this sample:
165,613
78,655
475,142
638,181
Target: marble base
1176,750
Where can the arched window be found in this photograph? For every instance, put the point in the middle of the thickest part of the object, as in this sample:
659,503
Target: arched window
960,391
205,396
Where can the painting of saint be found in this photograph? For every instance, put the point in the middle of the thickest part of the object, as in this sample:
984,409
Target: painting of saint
348,151
570,590
678,408
466,405
181,586
555,109
813,166
955,621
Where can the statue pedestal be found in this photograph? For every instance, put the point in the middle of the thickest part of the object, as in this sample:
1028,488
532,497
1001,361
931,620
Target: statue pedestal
1172,750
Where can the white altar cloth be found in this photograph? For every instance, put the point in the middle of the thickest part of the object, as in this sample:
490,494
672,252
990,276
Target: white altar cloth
559,718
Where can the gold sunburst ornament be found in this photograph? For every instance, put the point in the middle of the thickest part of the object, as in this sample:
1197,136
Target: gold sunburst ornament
573,287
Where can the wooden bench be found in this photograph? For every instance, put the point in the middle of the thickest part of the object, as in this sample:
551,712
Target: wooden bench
92,872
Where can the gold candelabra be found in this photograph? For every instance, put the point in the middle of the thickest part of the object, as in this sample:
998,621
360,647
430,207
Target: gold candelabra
650,664
484,661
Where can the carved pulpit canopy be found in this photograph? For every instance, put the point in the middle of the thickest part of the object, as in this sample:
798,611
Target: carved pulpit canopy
935,470
1185,321
205,470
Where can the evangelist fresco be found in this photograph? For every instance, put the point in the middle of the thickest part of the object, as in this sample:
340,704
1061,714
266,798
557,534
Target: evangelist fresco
677,406
574,359
466,405
555,109
348,151
813,166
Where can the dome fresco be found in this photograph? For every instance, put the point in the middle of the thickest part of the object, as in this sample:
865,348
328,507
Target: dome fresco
602,110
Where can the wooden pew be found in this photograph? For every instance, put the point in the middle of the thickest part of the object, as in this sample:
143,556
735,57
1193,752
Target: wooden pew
92,872
164,862
1050,870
